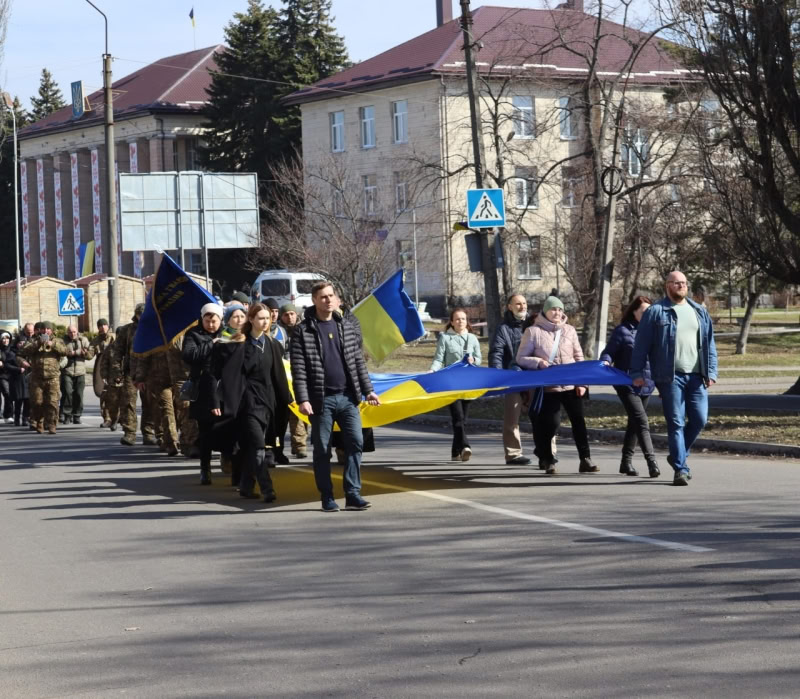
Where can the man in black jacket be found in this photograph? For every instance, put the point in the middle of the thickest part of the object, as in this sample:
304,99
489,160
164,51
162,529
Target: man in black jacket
502,355
329,377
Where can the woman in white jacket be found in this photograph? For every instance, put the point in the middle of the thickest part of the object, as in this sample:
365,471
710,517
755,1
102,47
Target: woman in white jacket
456,343
549,341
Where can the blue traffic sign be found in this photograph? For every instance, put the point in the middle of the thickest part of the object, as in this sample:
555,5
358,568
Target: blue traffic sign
485,208
71,302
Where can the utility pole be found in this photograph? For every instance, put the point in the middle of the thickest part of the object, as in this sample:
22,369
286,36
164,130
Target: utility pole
488,258
10,104
111,184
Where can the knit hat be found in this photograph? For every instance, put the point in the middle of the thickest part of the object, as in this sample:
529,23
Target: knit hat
101,321
47,325
230,309
288,307
271,303
241,297
214,308
552,302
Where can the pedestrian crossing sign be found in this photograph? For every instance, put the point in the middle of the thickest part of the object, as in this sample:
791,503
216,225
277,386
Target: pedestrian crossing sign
485,208
71,302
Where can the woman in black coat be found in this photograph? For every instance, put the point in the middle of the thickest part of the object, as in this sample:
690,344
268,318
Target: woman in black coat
6,375
253,389
198,345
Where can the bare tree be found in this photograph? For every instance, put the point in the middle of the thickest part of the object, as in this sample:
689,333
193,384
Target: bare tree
329,222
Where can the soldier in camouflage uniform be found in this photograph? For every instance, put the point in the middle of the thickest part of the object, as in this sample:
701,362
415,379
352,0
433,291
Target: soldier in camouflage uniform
44,353
179,372
123,366
153,377
99,344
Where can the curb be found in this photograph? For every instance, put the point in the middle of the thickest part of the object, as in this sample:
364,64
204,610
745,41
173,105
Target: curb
729,446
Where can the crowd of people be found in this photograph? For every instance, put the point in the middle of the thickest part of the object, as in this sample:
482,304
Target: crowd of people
222,385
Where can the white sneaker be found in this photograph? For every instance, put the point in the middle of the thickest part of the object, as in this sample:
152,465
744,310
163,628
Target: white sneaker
466,452
9,420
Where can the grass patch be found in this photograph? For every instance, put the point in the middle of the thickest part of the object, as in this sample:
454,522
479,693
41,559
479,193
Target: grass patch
771,427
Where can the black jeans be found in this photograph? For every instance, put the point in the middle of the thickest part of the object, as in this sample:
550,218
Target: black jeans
8,406
251,433
546,422
638,427
458,412
22,410
205,442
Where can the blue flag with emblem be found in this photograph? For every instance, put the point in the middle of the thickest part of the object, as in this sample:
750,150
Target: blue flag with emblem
172,307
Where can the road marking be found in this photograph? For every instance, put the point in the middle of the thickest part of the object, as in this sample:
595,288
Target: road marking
604,533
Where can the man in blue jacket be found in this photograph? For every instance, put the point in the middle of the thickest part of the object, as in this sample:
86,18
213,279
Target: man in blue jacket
675,334
502,355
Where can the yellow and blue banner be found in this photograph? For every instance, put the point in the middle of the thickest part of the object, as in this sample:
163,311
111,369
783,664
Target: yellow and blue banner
388,318
405,395
172,307
86,259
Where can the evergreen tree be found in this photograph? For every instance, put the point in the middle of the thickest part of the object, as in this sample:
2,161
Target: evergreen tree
50,98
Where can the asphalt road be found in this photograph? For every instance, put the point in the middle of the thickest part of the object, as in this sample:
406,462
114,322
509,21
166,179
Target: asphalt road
121,576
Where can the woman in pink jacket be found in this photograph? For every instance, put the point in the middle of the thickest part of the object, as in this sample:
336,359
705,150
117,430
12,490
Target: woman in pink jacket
547,342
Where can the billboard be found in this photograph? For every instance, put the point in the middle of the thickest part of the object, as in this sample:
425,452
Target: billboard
191,210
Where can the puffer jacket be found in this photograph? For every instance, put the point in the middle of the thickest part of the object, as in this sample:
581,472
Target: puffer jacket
537,344
505,343
452,347
78,351
198,345
308,369
618,352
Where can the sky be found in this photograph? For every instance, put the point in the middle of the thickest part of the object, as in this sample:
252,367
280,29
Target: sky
67,36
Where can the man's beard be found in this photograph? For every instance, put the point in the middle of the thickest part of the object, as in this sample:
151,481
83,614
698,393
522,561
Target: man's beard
522,315
675,297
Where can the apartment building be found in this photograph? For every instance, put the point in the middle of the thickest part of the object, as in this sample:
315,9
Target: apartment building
399,124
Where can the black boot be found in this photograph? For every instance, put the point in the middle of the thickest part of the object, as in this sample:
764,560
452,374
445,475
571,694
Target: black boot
652,467
205,473
626,468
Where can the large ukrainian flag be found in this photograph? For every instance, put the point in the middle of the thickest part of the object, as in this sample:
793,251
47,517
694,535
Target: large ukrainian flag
388,318
405,395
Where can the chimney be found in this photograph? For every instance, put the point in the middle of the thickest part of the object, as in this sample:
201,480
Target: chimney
576,5
444,12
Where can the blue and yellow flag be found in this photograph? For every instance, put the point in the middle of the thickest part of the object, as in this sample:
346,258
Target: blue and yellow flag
388,318
191,16
86,259
405,395
172,307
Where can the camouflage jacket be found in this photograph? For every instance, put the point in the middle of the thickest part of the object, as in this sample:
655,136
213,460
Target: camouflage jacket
100,343
43,353
78,351
121,362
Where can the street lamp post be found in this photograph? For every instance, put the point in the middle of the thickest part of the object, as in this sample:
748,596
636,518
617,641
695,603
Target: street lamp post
10,104
111,180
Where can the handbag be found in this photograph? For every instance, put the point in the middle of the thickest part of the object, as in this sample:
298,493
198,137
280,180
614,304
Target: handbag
190,391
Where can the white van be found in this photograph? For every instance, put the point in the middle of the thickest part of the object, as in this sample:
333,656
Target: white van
285,287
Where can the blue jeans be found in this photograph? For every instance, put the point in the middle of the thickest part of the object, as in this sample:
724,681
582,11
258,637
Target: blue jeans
344,411
685,395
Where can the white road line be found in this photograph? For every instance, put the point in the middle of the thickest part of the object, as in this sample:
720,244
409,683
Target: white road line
604,533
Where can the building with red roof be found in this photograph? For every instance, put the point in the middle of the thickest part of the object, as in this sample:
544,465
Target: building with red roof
158,115
398,125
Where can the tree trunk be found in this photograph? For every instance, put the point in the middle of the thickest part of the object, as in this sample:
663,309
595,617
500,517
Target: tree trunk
752,300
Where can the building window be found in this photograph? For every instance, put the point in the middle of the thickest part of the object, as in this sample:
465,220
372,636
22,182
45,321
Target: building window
370,194
709,115
337,132
635,151
569,183
530,258
196,263
337,202
400,191
524,117
400,121
175,164
674,185
190,144
526,188
405,254
566,119
367,127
